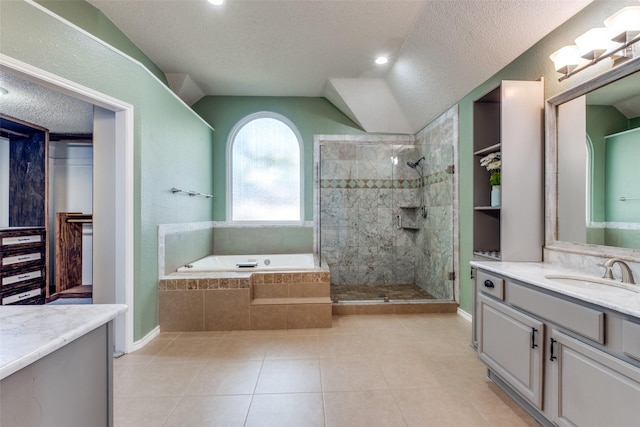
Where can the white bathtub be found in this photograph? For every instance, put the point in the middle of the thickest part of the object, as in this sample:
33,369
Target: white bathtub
251,263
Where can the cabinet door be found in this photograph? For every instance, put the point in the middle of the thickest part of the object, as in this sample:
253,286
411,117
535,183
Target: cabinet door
510,343
592,388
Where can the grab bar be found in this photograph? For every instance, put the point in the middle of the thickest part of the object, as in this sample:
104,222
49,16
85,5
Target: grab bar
624,199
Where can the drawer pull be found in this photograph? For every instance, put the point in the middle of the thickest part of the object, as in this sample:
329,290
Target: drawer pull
552,350
489,284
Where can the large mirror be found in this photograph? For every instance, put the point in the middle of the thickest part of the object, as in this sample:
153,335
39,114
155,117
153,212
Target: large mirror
593,143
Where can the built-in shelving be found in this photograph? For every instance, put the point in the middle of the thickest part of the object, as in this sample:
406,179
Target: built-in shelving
491,149
511,125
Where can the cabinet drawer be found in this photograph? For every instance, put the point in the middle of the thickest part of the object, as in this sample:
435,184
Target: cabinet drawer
631,339
13,260
21,296
490,284
579,319
22,277
8,242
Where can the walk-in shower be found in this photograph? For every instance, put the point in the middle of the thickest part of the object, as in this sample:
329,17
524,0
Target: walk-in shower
362,185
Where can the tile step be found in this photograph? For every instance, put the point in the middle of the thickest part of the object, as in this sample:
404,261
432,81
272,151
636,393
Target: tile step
291,301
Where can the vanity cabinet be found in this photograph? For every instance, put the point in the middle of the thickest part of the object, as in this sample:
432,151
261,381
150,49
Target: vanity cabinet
511,345
591,387
22,266
568,362
509,120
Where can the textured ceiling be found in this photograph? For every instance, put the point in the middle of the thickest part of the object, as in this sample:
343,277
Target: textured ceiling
36,104
440,49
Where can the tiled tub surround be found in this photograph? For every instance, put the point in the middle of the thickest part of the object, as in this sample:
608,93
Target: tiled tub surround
244,301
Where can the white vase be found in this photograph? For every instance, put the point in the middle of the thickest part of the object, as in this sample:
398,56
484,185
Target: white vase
496,195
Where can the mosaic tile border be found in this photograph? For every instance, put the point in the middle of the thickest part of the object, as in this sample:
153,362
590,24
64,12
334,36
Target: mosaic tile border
376,184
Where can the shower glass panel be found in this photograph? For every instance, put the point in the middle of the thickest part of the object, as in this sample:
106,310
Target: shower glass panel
371,230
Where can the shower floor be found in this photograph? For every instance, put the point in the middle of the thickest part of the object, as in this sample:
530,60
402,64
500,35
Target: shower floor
378,292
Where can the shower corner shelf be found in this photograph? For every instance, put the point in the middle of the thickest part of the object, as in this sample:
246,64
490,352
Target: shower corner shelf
410,227
409,207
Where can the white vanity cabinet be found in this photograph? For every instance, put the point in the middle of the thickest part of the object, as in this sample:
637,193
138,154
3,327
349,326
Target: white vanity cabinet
566,361
591,387
511,345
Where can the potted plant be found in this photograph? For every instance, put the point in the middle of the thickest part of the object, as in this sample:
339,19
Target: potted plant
492,163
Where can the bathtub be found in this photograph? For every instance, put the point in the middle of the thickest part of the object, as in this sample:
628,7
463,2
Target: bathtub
280,262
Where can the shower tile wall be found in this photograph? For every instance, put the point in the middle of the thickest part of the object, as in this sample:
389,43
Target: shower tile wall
361,190
435,242
364,184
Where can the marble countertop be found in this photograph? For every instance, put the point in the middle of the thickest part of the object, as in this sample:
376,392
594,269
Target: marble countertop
30,332
620,300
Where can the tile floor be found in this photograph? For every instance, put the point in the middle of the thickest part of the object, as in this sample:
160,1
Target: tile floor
368,370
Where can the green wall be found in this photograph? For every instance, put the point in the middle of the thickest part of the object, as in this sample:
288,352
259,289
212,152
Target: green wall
531,65
173,146
311,116
602,120
90,19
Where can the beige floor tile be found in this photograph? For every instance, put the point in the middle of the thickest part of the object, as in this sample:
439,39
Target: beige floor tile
227,411
366,409
434,407
146,354
188,350
369,370
355,373
145,411
409,370
377,323
226,377
235,347
286,410
160,380
289,376
394,342
345,345
293,347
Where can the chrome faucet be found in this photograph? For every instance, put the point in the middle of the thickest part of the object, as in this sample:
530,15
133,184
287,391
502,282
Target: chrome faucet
627,275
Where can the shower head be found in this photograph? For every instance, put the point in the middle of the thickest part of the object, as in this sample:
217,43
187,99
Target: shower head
413,165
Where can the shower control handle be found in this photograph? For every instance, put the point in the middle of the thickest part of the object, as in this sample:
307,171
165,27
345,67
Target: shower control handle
489,284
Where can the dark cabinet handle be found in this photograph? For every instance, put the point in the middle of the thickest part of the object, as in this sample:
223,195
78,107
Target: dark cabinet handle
552,350
489,284
534,338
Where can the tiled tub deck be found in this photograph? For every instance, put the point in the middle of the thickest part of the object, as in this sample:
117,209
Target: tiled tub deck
244,301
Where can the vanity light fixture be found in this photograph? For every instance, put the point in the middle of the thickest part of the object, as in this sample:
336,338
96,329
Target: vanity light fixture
217,2
615,42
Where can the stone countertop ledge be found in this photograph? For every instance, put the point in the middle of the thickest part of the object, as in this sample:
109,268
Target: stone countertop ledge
29,333
534,273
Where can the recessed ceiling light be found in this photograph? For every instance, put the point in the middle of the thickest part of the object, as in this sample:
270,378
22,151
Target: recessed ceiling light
216,2
381,60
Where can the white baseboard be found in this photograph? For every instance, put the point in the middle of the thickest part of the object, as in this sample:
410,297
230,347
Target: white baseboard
137,345
466,316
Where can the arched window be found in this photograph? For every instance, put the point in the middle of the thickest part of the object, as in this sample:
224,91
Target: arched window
264,170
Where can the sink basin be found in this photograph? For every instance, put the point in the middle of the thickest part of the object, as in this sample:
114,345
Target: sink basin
586,282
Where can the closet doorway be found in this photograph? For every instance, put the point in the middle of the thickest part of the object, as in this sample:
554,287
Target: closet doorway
112,191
